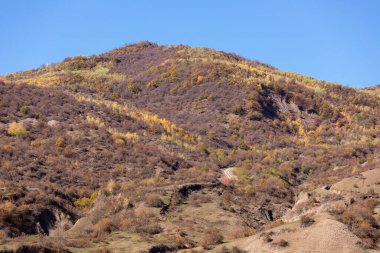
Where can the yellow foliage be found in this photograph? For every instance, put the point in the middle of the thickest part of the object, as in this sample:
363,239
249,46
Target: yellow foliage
119,141
152,83
118,136
24,109
152,180
17,129
60,142
249,190
126,202
86,203
178,142
300,127
174,134
45,80
241,173
111,186
116,107
96,121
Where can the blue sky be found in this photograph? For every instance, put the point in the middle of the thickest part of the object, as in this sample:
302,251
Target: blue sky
333,40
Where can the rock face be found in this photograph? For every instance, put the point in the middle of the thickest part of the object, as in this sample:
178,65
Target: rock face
268,214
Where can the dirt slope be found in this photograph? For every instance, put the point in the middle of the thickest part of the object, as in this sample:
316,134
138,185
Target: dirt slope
326,235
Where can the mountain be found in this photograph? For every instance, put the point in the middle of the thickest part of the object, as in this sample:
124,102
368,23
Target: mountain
167,148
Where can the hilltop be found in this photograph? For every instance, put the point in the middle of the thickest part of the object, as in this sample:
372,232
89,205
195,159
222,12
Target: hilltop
127,150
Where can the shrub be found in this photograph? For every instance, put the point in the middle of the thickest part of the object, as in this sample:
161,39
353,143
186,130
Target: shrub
267,236
60,142
255,115
104,226
212,237
282,243
199,79
238,110
24,109
111,186
52,242
195,199
132,86
249,190
358,217
242,173
19,219
202,95
153,200
176,199
151,229
226,197
306,221
85,203
16,129
153,83
119,141
3,234
244,232
326,111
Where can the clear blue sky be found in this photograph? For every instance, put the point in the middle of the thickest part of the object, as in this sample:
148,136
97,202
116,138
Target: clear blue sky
333,40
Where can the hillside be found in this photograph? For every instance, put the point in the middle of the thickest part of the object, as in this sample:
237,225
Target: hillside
128,151
373,90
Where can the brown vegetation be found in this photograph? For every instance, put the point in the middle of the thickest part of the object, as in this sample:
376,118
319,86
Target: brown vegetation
130,127
212,237
306,221
359,218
